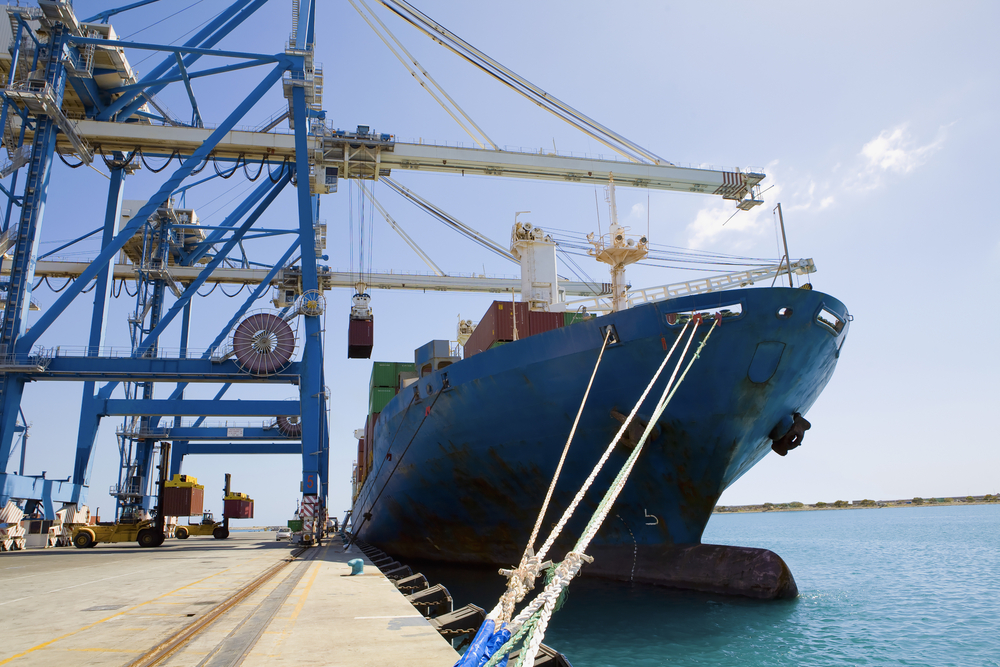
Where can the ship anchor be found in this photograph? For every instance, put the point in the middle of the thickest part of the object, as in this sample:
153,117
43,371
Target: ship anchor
792,438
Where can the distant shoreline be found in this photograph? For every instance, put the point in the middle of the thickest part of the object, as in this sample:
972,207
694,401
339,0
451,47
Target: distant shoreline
988,499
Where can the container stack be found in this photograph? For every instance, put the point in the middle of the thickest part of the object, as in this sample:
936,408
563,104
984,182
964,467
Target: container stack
387,377
385,383
183,496
498,324
11,531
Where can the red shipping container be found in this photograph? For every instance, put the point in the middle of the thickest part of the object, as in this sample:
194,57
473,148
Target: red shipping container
497,324
183,501
540,322
361,451
360,338
238,509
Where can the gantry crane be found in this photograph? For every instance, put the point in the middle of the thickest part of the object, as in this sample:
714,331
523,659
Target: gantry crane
70,90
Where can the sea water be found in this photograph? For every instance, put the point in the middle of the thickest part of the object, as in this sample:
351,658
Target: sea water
907,586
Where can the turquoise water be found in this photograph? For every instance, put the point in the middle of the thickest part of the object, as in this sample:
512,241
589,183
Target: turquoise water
913,586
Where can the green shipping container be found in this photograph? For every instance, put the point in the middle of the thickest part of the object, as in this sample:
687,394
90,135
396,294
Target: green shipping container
572,318
379,398
383,374
295,525
386,373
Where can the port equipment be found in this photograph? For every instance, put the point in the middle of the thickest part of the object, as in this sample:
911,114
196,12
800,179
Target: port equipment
131,527
70,91
235,506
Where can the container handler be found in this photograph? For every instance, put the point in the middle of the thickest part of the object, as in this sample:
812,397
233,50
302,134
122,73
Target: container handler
235,506
129,527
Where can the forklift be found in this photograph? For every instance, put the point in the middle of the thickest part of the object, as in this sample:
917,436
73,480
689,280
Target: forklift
208,525
130,526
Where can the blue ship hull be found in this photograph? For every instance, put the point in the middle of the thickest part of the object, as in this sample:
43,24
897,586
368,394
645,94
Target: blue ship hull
461,465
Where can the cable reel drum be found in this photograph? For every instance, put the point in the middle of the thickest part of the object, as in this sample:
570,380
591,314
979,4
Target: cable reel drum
263,343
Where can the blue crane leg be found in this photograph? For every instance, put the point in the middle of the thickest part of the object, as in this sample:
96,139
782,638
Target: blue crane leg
89,421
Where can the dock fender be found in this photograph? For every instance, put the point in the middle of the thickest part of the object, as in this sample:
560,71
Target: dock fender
788,433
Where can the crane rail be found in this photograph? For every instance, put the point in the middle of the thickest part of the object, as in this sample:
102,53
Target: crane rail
182,637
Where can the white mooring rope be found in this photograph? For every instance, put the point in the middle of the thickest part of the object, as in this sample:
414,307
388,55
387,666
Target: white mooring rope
533,620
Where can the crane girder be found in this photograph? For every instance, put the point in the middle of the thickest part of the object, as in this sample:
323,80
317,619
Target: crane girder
371,156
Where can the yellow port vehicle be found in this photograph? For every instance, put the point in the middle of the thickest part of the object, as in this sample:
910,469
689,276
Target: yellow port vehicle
131,526
207,526
235,506
148,533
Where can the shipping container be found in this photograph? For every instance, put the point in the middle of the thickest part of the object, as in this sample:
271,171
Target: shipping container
360,339
540,322
380,397
237,508
574,317
497,325
183,500
383,374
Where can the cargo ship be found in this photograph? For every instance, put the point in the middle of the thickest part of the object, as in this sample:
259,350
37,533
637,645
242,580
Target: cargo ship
458,450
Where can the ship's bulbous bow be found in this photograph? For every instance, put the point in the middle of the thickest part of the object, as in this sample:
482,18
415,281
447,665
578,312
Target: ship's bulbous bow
712,568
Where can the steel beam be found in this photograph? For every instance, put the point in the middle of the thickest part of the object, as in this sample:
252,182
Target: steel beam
244,448
48,491
310,387
127,369
219,433
110,250
89,421
195,408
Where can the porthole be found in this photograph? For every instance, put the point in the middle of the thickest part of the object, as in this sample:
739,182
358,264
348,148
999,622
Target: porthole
784,313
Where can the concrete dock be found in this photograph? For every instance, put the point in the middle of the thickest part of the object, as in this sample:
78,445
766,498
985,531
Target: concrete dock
113,604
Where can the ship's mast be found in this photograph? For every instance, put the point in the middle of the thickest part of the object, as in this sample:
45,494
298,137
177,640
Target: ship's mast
618,250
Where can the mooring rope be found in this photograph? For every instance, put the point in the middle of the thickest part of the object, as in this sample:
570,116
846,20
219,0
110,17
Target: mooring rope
522,578
533,620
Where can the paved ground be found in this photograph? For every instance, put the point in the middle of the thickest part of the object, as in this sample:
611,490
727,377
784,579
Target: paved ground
110,604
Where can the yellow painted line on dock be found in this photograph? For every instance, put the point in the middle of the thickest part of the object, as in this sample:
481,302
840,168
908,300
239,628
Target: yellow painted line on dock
141,604
305,593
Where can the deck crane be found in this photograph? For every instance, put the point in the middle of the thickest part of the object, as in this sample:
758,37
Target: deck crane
70,90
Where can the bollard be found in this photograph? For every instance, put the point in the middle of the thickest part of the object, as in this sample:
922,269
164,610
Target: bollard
357,566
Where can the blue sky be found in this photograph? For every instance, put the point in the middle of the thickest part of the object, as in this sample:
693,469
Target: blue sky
875,124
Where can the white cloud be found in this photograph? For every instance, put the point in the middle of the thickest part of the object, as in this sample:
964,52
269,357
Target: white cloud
637,214
892,151
741,229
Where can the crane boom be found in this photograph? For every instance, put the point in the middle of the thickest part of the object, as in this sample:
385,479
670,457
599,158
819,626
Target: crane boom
369,156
